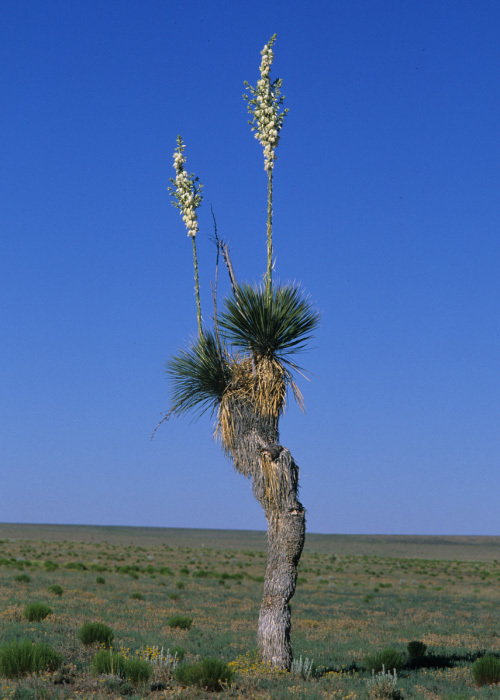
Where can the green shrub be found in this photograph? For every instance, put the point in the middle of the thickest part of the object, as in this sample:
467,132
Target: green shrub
179,651
416,650
92,632
22,578
137,671
109,662
76,565
209,674
100,580
388,659
184,623
137,595
486,670
20,658
35,612
56,589
98,568
50,565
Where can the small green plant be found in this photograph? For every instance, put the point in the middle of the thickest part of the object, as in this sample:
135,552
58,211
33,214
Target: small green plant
416,649
19,658
35,612
56,589
137,671
388,658
180,621
174,596
92,632
109,662
486,670
209,674
180,585
100,580
22,578
137,595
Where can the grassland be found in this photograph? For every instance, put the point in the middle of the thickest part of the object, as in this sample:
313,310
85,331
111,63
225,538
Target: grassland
355,595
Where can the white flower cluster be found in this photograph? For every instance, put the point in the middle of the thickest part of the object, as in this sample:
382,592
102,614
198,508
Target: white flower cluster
187,191
264,106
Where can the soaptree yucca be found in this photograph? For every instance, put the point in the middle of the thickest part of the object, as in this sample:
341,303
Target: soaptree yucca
242,371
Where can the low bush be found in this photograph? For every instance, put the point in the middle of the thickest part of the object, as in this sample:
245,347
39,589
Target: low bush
177,652
100,580
389,659
416,650
77,565
22,578
486,670
35,612
180,621
136,595
92,632
108,662
209,674
137,671
50,565
20,658
56,589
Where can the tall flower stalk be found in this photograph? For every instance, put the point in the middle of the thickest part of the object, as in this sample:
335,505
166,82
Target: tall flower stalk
265,107
187,198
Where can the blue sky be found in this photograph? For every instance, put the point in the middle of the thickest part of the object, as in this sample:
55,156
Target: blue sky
386,209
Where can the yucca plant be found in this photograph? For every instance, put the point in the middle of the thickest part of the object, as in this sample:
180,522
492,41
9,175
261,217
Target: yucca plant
243,370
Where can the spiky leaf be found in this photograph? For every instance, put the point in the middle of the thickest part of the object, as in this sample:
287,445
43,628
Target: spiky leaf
199,376
274,325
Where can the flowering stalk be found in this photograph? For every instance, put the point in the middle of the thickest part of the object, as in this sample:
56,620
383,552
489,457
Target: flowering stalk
265,107
187,198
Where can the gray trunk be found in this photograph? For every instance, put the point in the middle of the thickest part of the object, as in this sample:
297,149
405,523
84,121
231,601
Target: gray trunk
286,534
274,473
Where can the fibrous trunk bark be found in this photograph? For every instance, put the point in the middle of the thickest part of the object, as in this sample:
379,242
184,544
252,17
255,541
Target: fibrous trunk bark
286,534
274,473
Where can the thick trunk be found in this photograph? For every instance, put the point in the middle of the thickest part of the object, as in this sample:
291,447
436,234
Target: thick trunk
274,473
286,534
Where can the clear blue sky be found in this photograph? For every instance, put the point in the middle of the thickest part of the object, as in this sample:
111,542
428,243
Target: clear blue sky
387,209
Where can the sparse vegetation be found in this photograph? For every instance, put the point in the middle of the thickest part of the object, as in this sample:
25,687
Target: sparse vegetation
333,626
